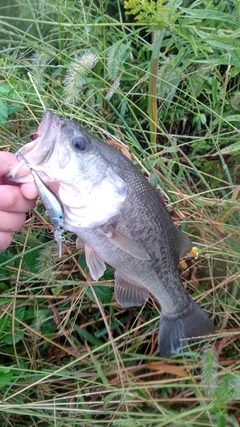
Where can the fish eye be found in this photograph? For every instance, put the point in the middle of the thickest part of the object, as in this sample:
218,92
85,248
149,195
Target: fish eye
79,143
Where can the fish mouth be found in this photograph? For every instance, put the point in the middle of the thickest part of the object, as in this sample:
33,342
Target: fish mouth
40,150
42,146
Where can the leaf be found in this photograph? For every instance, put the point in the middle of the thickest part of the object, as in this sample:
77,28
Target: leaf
5,89
87,336
5,324
233,118
4,257
30,260
5,376
229,389
14,108
104,293
3,113
219,41
10,338
7,335
209,14
170,369
20,313
161,367
231,148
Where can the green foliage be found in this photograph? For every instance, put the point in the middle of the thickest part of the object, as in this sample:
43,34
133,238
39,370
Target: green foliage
161,77
229,389
76,75
5,376
209,372
162,12
8,325
117,54
7,92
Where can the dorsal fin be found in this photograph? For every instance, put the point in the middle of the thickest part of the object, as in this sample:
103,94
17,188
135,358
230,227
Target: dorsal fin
184,243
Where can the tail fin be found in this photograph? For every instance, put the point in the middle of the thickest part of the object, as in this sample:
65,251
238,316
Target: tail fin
193,322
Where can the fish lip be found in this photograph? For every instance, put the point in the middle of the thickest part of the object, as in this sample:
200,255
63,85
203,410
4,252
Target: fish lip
47,121
49,124
33,151
43,126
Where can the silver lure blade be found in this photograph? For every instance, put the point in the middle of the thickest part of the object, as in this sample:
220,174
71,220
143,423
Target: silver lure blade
53,205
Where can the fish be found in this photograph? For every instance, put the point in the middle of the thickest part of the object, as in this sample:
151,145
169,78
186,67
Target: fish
52,203
120,220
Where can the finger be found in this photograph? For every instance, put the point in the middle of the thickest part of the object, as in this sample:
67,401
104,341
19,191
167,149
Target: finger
5,240
29,191
7,162
12,200
10,222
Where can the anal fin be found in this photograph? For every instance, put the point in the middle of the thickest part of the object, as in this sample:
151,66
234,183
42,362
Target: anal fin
129,294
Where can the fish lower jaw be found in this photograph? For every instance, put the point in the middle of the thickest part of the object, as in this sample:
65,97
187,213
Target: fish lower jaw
85,218
77,226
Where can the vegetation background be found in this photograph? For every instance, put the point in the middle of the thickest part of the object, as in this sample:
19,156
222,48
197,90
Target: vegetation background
160,80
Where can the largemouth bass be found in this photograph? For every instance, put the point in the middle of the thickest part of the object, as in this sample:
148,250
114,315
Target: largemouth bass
121,220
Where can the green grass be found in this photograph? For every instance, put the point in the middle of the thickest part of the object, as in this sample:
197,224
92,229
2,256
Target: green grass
162,82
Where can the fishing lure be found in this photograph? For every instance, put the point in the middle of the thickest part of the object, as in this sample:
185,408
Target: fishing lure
52,203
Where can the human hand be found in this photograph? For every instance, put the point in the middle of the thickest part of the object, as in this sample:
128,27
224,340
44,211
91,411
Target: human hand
15,200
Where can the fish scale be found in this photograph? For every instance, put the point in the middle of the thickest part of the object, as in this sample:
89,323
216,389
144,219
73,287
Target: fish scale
131,230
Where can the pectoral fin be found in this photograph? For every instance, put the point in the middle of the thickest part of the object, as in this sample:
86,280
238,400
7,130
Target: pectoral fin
127,245
95,264
129,294
80,243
